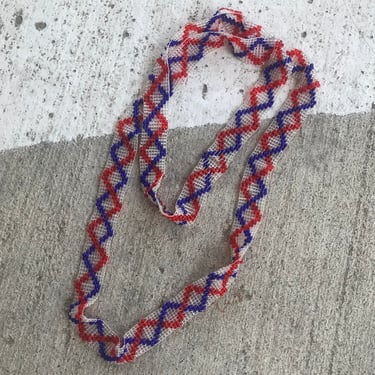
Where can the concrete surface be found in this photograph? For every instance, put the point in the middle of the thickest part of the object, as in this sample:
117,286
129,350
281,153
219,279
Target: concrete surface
303,304
68,68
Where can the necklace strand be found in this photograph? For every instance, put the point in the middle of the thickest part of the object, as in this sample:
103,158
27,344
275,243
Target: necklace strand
145,130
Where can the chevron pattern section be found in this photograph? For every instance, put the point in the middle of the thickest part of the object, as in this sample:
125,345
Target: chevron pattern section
144,131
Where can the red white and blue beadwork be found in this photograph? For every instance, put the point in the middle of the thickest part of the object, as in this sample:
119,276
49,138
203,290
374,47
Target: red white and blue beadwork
144,130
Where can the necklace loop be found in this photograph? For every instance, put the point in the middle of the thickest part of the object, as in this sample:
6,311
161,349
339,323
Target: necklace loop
145,130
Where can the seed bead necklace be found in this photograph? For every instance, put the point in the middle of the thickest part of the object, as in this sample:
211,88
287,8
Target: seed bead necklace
144,131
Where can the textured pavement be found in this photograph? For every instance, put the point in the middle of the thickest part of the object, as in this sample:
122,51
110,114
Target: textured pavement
303,303
69,68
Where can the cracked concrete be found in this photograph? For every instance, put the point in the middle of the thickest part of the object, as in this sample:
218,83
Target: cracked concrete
303,303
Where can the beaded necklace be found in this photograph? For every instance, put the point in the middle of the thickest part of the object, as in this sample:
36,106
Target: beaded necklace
144,130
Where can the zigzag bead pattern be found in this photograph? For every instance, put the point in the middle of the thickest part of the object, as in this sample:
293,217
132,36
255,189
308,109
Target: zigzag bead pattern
145,130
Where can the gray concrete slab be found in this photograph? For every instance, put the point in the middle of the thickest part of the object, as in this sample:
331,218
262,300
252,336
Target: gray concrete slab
303,303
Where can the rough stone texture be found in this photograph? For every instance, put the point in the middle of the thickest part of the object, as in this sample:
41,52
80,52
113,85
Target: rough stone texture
303,303
68,68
